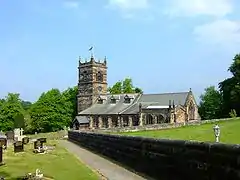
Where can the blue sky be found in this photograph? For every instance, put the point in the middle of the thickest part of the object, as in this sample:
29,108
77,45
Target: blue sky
164,46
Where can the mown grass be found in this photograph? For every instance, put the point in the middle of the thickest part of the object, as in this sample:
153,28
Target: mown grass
50,136
230,132
57,164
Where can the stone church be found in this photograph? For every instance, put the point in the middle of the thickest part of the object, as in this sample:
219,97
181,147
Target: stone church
97,109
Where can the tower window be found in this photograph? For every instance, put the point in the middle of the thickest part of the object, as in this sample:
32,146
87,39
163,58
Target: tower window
99,76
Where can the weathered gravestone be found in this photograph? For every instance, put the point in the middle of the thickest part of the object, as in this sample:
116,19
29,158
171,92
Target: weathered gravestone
18,146
25,140
1,155
3,142
10,135
17,134
43,140
38,144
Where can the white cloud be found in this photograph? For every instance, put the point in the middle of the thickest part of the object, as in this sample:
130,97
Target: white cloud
216,8
128,4
220,32
71,4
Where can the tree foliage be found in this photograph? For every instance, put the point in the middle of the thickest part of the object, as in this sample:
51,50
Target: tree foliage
230,89
10,107
210,104
51,112
125,86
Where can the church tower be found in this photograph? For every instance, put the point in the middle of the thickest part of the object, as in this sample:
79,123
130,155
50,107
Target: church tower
92,82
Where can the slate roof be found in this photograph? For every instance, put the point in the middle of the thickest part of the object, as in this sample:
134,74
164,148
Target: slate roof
81,119
163,99
157,100
132,108
110,108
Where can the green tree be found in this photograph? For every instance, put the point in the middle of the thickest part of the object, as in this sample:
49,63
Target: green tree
230,88
138,90
9,109
53,110
69,97
26,105
116,88
210,104
125,86
19,121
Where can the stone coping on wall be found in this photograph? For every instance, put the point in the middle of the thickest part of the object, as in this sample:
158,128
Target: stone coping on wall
162,126
164,158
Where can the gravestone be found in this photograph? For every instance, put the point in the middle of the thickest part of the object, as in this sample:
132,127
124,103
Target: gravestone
16,134
43,140
10,135
25,140
38,144
1,156
3,142
18,146
1,153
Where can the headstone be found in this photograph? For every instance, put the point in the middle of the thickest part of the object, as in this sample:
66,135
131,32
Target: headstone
1,154
10,135
25,140
43,140
18,146
21,131
17,134
38,144
3,142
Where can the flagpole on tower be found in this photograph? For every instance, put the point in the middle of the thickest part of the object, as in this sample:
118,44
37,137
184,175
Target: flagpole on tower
91,50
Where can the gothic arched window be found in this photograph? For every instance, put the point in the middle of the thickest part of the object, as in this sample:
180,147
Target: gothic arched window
99,76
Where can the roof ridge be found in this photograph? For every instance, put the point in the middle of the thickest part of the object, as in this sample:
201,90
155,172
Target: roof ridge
168,93
136,100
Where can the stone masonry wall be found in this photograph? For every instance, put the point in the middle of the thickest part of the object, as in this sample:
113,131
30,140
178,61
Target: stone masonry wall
163,126
166,159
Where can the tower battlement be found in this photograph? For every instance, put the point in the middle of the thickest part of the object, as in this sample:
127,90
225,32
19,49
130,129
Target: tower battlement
92,61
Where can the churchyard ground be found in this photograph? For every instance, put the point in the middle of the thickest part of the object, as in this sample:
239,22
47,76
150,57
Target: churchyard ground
57,164
230,132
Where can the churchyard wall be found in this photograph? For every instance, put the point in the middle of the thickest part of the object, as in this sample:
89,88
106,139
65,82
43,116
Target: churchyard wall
165,159
162,126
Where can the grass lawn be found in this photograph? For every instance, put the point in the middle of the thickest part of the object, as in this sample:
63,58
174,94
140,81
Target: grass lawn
57,164
230,132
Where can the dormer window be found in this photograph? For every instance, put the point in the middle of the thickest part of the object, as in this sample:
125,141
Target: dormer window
127,99
100,101
113,100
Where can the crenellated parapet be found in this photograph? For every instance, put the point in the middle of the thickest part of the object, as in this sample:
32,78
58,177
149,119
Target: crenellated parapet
92,61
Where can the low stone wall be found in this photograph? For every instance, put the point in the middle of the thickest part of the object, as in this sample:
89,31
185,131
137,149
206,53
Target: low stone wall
161,126
166,159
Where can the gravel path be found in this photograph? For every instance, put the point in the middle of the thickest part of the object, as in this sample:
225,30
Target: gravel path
106,168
